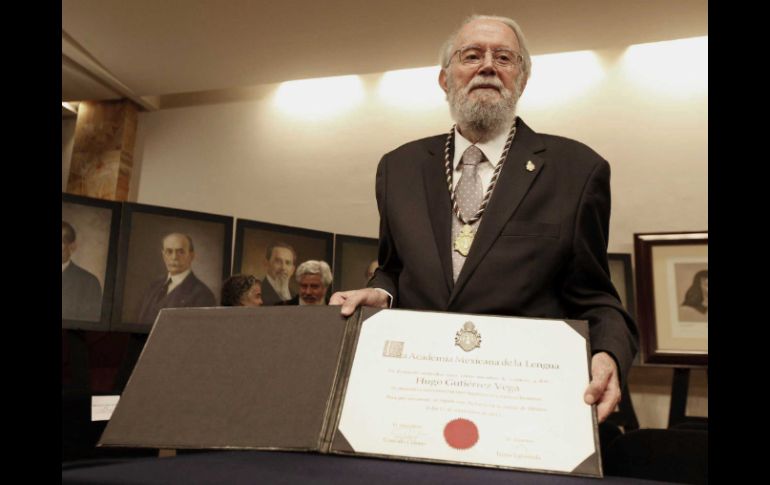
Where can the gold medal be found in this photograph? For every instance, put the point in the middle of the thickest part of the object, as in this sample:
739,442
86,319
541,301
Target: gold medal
464,240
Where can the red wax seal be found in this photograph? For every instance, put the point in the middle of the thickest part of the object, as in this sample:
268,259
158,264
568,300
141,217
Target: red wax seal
461,434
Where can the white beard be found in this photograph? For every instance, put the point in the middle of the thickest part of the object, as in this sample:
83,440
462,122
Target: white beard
282,288
302,302
485,113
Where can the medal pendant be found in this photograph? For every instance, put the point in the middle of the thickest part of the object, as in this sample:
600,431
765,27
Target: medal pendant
464,240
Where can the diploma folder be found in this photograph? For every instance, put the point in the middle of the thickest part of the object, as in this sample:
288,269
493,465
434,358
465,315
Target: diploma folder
272,378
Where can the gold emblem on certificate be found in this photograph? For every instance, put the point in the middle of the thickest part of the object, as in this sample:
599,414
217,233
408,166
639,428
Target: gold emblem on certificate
468,338
463,240
393,349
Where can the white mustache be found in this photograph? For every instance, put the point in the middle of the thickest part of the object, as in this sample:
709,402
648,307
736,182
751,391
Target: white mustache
486,82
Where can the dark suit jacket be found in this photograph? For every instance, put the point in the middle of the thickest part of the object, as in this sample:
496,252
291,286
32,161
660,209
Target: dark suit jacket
81,294
192,292
540,249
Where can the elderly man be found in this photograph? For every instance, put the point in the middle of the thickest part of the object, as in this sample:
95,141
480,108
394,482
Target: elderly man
180,287
314,278
81,293
280,260
494,218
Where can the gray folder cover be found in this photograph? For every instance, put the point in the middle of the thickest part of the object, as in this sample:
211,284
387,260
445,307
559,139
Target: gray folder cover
231,378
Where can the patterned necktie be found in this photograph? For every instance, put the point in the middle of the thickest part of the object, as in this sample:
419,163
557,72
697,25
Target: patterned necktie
469,193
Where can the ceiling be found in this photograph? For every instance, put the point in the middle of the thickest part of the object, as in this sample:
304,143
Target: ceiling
149,50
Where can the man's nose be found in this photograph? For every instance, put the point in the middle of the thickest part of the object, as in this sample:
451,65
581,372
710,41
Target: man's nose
487,64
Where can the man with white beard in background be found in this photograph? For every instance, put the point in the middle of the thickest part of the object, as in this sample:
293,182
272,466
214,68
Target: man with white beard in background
280,259
494,218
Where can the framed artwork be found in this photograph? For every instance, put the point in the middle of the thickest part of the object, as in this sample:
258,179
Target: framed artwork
169,258
622,277
355,259
672,296
272,252
90,229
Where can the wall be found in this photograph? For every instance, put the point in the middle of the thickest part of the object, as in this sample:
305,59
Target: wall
67,139
643,108
318,172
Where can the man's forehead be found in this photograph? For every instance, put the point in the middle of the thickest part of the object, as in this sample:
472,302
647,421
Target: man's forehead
175,241
282,252
486,31
310,277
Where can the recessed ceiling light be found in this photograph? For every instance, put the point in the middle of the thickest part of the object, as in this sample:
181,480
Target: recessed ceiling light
70,107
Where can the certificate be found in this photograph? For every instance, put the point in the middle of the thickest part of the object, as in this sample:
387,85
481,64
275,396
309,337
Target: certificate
484,390
426,386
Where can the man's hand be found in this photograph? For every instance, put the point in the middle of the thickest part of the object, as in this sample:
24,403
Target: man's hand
604,388
350,300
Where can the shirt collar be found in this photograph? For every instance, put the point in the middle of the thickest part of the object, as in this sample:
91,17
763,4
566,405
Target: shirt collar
492,149
178,278
66,265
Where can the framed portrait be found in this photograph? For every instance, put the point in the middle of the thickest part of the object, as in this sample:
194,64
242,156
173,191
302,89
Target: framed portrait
672,296
90,229
169,258
355,259
272,253
622,277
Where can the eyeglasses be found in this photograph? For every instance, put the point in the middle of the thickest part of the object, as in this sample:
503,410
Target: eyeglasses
474,55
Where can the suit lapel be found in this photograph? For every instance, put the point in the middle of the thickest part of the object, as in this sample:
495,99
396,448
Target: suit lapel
439,207
512,185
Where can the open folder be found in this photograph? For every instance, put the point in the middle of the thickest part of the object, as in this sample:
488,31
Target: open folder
468,389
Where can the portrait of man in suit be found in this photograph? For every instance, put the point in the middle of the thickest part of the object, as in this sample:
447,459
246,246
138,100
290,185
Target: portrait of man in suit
280,261
495,218
179,287
81,293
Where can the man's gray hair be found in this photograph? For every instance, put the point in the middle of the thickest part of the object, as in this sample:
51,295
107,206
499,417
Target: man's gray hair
312,266
449,48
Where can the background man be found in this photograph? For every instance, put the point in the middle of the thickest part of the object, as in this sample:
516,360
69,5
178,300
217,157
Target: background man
81,293
180,287
541,250
314,278
280,259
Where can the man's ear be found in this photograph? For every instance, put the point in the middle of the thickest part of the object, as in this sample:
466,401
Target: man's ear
73,246
442,80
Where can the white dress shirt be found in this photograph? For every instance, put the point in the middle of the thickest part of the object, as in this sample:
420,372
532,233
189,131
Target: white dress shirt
176,280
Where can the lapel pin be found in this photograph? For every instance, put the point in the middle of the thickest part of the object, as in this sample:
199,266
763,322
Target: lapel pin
530,166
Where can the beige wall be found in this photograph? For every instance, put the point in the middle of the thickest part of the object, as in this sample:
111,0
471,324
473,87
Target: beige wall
252,160
650,389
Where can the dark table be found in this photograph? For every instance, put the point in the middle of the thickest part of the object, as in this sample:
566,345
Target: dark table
247,467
